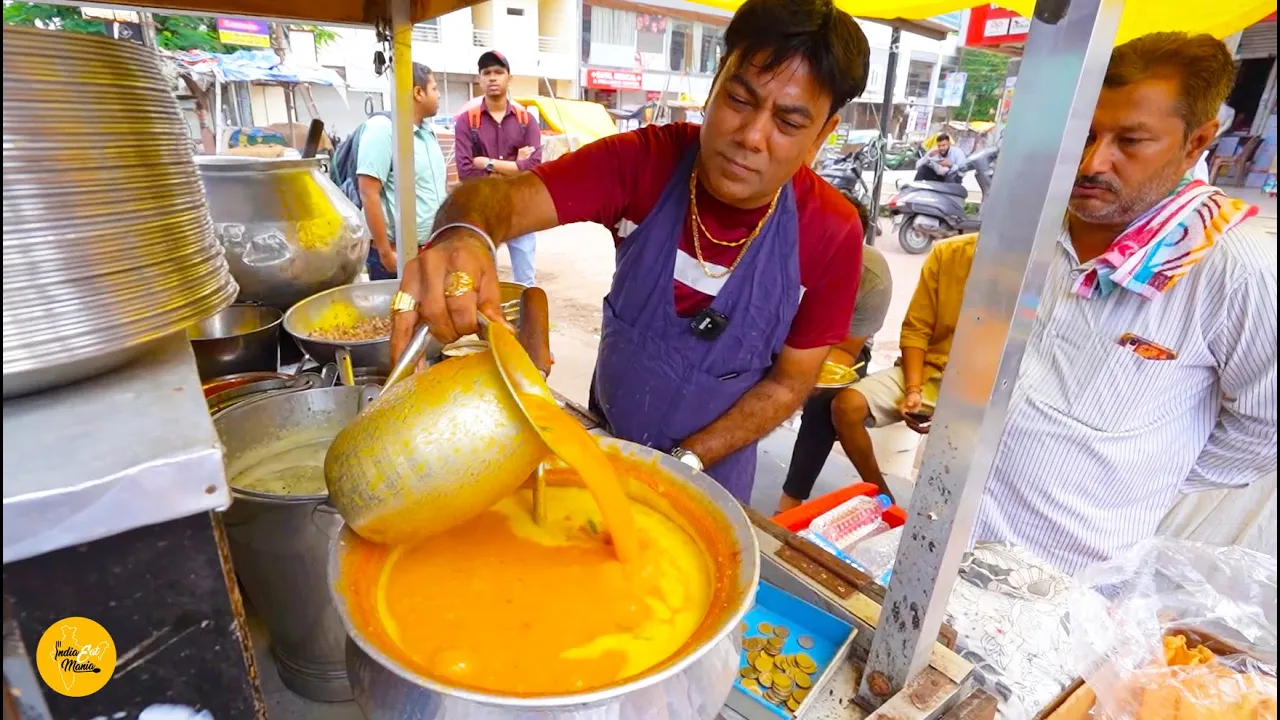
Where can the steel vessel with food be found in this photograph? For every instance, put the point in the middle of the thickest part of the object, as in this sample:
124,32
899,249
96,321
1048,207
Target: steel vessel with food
288,231
617,573
356,317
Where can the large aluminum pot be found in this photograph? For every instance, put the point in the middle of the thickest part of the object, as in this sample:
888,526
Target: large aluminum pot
280,543
692,686
442,446
237,339
289,232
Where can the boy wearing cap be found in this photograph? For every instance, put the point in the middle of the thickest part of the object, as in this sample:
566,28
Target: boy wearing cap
496,136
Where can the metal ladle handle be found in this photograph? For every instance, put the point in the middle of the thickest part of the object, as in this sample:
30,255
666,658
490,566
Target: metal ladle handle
412,353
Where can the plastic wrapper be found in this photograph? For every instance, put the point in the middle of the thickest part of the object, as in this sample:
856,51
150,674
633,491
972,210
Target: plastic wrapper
1175,629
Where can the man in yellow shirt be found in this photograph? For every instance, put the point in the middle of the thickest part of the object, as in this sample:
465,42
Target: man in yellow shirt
910,388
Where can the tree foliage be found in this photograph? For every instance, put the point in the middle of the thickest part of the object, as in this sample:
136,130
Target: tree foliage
984,85
173,32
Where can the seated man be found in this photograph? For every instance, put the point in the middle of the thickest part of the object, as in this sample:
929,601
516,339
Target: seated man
818,431
911,386
939,161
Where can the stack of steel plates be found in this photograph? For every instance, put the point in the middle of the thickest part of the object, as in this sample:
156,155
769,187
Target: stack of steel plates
107,239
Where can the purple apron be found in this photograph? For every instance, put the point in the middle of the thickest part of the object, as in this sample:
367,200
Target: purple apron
656,382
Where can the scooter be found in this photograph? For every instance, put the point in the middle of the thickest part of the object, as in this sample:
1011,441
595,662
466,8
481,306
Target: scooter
844,172
925,211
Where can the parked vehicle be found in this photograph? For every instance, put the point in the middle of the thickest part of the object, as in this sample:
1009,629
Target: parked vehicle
925,212
844,172
902,156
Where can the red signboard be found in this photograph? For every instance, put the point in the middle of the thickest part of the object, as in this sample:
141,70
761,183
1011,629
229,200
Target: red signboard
613,79
990,25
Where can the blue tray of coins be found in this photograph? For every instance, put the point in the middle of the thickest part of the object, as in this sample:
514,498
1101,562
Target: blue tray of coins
788,649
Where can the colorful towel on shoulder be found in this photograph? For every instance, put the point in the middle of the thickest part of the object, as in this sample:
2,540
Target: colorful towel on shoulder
1160,247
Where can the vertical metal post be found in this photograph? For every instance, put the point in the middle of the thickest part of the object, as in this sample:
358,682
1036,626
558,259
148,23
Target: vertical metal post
402,111
1067,54
886,113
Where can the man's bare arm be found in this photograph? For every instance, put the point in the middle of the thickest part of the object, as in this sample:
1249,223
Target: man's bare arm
762,408
503,207
371,199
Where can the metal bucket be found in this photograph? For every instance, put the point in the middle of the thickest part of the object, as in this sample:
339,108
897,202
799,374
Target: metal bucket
693,685
237,339
280,543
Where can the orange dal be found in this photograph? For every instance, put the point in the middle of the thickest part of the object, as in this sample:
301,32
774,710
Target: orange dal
501,605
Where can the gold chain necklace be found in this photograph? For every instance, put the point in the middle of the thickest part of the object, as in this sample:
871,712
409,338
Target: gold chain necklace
693,210
695,224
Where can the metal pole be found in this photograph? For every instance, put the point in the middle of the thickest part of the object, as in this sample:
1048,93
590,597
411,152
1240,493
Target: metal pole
886,112
1070,44
402,112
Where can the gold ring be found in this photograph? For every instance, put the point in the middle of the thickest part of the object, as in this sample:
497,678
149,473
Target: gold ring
403,302
457,284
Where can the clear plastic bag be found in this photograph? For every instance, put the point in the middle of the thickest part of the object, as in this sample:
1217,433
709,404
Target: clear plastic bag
1220,599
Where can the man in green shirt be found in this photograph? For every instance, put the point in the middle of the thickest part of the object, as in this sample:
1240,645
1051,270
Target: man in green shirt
377,181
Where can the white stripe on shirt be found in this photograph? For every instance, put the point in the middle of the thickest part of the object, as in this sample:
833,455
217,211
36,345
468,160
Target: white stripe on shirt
1098,442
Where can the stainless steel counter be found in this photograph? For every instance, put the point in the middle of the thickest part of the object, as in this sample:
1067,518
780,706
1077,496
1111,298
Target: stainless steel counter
125,450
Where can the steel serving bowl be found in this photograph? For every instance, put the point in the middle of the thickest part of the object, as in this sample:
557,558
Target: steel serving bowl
693,684
237,339
370,299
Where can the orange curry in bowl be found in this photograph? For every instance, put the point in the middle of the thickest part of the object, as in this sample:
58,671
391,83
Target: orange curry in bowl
501,605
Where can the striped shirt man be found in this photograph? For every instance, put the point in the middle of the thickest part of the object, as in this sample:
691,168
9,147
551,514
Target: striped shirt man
1099,442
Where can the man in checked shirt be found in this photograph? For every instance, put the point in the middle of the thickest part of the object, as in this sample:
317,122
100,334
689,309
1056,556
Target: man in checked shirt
1150,370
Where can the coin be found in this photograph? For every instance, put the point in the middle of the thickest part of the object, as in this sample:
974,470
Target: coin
805,642
749,673
776,642
764,664
802,680
742,627
764,628
765,679
781,631
805,663
792,704
751,657
783,683
753,644
751,684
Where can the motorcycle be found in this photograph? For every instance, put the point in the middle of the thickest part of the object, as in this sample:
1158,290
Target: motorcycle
926,211
901,156
844,172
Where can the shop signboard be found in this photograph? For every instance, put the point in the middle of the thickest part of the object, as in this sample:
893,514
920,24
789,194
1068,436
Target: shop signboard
993,26
601,79
246,33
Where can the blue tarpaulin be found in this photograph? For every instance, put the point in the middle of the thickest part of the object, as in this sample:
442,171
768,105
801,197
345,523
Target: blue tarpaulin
253,66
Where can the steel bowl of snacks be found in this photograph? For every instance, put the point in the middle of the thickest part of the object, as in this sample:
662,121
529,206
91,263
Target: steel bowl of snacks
356,317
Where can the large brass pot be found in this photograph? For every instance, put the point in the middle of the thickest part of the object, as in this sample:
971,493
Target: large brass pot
442,446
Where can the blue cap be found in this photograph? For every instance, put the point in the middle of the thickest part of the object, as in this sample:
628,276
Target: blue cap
884,501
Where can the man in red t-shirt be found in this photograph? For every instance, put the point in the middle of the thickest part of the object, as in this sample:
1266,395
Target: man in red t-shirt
743,265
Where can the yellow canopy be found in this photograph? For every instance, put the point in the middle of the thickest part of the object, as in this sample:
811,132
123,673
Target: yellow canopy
1219,18
583,121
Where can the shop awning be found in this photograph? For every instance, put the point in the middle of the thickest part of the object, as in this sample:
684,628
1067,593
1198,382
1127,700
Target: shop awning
252,66
1220,18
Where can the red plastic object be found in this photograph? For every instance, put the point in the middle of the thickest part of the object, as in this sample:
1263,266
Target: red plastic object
798,518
